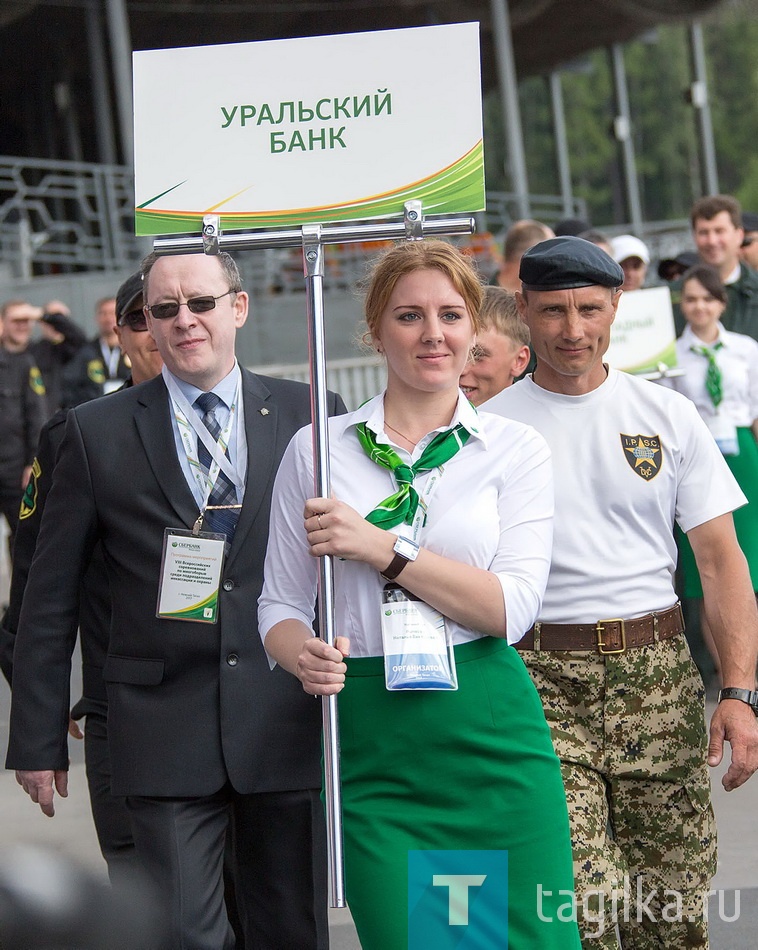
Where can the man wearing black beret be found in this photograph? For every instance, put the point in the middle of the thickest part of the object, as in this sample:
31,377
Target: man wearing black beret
621,694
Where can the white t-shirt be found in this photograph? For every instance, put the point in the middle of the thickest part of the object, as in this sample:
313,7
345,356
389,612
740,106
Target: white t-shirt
492,508
629,458
738,361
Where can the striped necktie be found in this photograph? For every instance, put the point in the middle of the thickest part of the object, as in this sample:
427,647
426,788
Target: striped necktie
217,519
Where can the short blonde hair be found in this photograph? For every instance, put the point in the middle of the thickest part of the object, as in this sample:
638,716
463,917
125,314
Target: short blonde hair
411,256
500,313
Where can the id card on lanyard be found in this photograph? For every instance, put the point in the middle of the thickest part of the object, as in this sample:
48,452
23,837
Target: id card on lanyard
418,650
724,431
190,575
193,560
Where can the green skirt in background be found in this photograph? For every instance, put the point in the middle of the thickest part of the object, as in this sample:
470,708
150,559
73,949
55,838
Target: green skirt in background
744,467
472,769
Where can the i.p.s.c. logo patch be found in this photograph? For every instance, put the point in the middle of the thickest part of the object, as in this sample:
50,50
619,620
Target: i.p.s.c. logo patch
643,453
29,498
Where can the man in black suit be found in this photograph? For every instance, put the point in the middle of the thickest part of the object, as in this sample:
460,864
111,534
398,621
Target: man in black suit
203,735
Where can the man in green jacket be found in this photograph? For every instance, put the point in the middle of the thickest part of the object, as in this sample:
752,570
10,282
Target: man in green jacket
718,233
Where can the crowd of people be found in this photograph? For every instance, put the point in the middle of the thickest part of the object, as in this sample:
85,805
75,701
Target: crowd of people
47,364
510,664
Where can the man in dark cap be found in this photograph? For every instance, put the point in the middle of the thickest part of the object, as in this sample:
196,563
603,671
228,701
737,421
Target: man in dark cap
571,226
672,268
622,696
749,246
109,813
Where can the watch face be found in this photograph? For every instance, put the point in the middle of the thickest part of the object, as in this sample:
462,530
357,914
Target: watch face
406,548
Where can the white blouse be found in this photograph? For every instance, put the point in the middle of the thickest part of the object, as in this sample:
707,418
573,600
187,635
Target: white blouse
738,361
493,509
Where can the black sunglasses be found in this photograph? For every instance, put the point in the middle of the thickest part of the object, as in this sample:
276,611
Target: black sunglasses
134,319
167,311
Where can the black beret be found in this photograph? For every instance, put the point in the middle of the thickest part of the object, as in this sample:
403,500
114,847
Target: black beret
563,263
750,220
128,292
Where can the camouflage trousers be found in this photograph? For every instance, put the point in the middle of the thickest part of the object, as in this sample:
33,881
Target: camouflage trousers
629,730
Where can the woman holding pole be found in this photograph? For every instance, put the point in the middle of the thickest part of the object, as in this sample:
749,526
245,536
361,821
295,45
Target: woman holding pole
444,743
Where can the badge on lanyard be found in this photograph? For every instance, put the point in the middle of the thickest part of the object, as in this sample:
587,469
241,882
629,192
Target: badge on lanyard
190,575
725,433
418,650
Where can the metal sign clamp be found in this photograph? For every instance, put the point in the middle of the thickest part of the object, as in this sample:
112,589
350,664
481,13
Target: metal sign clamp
211,233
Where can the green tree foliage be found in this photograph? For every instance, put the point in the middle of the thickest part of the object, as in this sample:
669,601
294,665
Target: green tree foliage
732,50
663,122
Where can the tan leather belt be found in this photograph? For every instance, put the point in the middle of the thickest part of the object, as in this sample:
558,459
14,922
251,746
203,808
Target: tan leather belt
605,636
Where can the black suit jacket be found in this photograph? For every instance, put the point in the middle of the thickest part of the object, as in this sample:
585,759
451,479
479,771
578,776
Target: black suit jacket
190,705
95,599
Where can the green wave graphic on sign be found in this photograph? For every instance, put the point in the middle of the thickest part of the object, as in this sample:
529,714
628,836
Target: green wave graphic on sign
198,611
650,365
457,189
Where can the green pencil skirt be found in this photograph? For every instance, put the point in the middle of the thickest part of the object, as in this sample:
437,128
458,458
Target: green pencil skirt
472,769
744,467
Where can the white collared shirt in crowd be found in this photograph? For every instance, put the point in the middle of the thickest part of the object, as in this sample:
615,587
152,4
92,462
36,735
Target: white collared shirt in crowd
738,361
492,509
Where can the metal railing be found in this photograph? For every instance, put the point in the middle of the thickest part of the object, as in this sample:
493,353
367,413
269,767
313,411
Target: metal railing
502,209
68,217
356,379
58,216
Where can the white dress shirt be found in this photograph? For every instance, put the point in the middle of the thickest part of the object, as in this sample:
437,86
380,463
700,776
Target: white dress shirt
493,509
738,361
226,390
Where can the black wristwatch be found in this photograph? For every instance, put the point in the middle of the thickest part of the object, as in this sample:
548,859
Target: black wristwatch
405,550
748,696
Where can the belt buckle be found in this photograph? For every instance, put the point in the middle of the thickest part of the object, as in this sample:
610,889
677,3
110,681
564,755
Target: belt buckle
600,627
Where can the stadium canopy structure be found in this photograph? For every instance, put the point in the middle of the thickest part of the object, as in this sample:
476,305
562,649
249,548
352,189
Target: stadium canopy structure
545,33
65,67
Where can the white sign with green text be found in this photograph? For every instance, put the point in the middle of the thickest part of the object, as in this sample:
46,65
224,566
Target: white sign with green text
643,336
303,131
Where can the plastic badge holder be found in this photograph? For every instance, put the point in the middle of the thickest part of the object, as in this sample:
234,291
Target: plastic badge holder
418,652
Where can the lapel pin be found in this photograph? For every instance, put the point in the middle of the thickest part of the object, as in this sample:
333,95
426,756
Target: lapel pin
264,412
